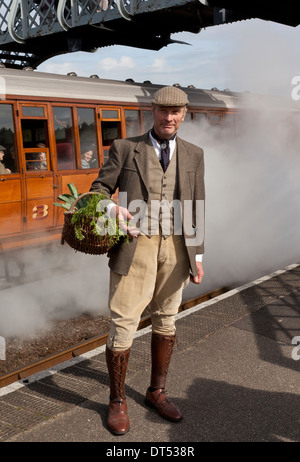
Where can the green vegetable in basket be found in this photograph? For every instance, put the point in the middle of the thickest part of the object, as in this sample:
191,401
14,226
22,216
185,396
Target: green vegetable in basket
68,199
89,216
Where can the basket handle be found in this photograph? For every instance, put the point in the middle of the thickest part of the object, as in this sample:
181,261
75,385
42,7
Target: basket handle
80,197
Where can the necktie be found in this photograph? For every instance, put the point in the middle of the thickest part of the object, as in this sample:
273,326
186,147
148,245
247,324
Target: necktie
164,149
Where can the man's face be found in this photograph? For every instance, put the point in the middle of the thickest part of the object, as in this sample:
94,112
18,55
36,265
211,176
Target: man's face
167,119
1,155
42,156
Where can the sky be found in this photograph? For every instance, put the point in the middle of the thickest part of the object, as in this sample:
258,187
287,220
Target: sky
252,55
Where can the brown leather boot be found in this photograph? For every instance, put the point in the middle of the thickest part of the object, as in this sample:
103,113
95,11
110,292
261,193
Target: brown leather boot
117,420
156,396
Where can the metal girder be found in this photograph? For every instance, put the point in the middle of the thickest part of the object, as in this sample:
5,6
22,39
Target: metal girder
32,31
22,20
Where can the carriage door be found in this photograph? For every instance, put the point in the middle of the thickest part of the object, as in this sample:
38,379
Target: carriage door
37,166
111,128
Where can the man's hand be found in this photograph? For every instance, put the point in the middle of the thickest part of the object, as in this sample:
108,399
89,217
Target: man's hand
200,273
124,217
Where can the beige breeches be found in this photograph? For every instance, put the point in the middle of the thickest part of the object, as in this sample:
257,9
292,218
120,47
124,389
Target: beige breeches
157,276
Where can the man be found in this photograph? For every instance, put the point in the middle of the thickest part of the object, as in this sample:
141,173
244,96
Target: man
155,168
3,169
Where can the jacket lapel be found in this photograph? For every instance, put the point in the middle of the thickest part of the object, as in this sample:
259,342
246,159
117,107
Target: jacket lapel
143,150
182,166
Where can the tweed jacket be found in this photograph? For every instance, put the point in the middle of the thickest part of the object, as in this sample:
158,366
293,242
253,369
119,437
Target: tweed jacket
126,170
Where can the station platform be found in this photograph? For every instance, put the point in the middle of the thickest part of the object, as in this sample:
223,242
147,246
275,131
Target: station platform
234,375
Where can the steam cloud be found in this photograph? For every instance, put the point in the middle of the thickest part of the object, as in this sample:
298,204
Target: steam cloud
58,284
253,192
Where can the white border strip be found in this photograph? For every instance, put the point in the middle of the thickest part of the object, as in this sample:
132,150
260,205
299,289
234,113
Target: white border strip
90,354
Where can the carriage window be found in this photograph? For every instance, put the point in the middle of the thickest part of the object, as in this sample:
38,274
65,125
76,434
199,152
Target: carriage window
199,116
37,159
35,135
110,132
33,111
214,119
148,120
110,114
8,162
33,132
63,127
133,125
105,155
88,138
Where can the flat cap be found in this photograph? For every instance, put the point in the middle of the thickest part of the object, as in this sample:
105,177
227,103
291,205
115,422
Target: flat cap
170,96
2,148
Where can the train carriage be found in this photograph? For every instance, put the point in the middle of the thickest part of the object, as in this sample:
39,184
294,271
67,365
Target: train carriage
57,129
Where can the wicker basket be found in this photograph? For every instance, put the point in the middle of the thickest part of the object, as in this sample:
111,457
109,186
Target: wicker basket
92,243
